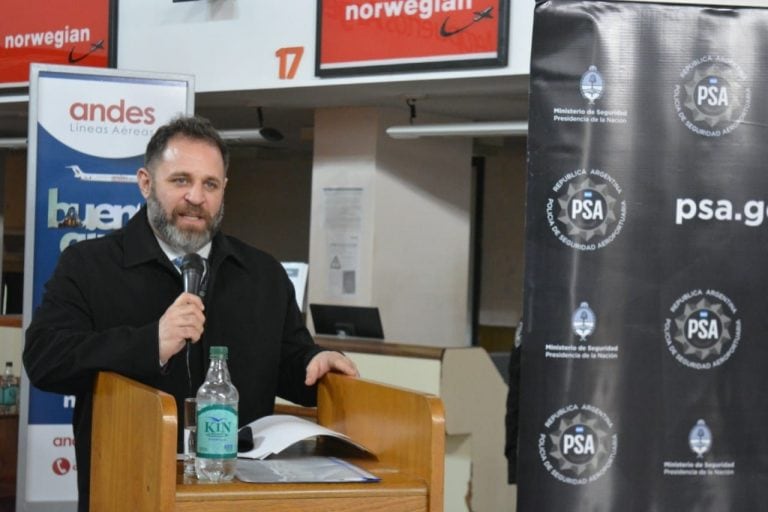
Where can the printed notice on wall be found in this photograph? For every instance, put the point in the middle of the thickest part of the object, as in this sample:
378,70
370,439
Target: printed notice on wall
343,226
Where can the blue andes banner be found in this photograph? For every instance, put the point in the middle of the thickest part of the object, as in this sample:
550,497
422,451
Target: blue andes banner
643,378
88,130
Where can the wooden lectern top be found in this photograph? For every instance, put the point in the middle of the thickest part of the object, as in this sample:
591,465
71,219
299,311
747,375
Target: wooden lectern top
134,467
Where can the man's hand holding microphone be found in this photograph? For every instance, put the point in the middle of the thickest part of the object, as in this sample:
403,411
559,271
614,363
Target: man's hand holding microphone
184,320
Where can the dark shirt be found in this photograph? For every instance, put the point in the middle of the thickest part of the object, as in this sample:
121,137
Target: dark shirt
101,311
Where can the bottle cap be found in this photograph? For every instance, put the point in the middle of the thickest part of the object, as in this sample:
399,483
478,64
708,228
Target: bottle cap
219,352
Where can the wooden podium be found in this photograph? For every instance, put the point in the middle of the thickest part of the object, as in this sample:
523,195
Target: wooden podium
134,466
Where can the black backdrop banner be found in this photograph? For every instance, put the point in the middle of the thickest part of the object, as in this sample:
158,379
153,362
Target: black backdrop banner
645,331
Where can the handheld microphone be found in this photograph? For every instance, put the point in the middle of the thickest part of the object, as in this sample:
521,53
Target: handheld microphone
192,270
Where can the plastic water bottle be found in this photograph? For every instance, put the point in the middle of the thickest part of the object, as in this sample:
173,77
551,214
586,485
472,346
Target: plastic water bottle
9,391
217,399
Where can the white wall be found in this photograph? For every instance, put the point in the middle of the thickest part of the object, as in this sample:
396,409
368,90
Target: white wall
415,238
423,236
344,157
11,343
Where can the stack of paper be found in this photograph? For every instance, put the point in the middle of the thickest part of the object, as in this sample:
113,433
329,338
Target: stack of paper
273,434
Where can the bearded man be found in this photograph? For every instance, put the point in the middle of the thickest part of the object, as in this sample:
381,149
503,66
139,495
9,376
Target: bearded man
117,303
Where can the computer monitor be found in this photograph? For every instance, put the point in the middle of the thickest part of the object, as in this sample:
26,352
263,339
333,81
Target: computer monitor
347,321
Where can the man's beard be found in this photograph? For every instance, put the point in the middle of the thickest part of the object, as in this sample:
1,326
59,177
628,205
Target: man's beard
185,241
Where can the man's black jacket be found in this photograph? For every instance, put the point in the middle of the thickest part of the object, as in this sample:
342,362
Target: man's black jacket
101,309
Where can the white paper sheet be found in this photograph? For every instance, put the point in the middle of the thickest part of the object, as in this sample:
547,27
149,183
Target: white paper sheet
301,469
273,434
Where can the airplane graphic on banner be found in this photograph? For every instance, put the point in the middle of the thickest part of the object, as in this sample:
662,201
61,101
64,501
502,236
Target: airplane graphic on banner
107,178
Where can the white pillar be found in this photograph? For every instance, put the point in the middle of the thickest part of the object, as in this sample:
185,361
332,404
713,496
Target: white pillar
407,228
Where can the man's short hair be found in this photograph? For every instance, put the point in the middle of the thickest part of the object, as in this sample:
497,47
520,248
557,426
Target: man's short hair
193,127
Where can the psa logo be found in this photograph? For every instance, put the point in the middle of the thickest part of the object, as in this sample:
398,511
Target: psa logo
703,331
587,210
578,445
712,98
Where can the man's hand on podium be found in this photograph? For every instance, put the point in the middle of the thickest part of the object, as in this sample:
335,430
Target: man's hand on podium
327,361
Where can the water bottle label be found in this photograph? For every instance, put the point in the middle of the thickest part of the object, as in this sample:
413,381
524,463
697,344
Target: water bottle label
9,395
217,432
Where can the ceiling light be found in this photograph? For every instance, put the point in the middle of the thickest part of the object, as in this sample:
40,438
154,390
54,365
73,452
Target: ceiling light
14,98
508,128
13,143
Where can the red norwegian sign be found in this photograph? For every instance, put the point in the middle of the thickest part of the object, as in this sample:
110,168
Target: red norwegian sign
73,32
364,36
